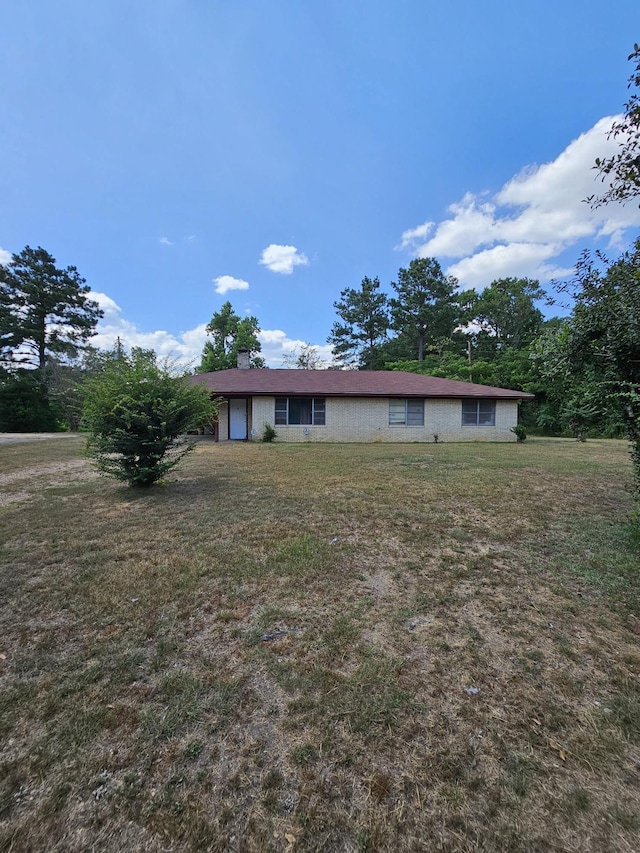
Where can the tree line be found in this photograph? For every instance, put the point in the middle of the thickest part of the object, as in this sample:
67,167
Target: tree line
495,337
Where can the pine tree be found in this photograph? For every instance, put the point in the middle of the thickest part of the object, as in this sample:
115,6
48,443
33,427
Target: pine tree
425,310
363,324
44,311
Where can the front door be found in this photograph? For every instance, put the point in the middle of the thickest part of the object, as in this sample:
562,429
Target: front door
238,420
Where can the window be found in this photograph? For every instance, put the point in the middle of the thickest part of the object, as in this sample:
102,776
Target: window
300,410
406,412
478,413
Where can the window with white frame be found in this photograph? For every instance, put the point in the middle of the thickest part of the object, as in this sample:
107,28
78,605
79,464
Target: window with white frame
406,412
478,413
308,411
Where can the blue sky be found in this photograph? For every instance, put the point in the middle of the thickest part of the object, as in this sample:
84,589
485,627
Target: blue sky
181,153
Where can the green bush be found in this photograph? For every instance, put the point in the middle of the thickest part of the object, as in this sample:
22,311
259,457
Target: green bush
137,413
519,431
269,434
24,405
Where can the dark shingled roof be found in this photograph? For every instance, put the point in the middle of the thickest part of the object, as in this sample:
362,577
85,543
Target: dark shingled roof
344,383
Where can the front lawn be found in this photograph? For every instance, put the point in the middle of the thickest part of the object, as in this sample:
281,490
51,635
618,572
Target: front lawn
321,648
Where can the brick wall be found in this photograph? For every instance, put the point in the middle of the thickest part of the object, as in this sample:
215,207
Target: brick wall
367,419
223,421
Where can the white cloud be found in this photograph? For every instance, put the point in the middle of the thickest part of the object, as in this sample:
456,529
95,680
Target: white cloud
111,309
282,259
186,347
5,257
514,260
415,234
166,241
276,344
536,216
224,283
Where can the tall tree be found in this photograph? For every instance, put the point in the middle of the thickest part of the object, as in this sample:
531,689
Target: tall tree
44,311
363,324
7,322
622,170
505,312
599,346
229,334
425,312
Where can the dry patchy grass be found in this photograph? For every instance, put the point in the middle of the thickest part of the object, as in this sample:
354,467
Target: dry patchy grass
321,648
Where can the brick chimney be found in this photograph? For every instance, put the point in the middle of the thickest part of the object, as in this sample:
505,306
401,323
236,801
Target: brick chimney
243,359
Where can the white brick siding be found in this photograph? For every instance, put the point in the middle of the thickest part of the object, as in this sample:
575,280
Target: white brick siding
223,421
367,419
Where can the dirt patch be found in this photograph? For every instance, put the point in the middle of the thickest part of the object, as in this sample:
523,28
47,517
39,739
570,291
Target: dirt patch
380,584
22,437
54,473
14,497
58,472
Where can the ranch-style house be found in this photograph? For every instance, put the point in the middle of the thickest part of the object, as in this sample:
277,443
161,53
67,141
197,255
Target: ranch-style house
358,405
